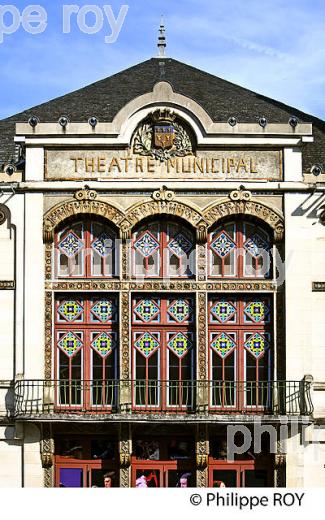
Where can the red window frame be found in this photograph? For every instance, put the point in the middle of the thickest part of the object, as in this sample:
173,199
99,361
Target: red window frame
237,237
93,396
162,392
240,468
86,463
164,255
86,252
238,394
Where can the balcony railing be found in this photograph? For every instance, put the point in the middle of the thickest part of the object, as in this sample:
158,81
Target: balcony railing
39,397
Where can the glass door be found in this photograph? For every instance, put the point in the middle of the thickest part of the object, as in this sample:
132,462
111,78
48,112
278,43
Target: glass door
72,477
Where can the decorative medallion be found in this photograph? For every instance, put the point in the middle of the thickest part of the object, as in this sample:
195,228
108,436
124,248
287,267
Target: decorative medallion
71,245
180,310
255,245
70,310
180,245
223,344
146,344
162,137
223,310
223,245
70,344
103,310
256,345
257,311
146,310
103,245
179,344
146,245
103,344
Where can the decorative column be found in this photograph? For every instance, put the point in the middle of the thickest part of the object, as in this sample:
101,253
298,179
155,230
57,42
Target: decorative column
202,384
48,334
202,454
125,450
125,376
201,393
47,454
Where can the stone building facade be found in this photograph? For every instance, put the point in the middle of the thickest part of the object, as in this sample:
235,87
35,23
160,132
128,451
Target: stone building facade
162,286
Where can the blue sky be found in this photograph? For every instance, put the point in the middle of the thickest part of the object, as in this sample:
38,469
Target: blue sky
274,47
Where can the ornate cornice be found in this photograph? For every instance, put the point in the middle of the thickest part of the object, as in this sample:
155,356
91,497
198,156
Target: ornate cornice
84,202
242,203
163,202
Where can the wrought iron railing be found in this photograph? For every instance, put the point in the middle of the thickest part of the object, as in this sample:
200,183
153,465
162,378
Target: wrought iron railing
39,397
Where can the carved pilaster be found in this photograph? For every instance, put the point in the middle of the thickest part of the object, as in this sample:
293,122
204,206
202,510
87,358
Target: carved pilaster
202,337
125,450
202,453
201,262
125,336
48,334
202,390
125,257
280,469
47,454
48,261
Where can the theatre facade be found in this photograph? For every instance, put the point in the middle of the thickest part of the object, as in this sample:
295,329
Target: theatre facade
162,283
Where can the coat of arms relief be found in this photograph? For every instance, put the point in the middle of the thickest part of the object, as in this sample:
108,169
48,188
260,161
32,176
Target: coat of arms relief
163,137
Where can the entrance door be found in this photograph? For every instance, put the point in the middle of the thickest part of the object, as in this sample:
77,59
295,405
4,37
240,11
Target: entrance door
162,474
240,474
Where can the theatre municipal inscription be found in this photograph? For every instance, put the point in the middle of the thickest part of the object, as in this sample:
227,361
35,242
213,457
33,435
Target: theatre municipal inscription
205,165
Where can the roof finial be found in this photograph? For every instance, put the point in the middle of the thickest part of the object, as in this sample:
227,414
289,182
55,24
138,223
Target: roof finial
162,44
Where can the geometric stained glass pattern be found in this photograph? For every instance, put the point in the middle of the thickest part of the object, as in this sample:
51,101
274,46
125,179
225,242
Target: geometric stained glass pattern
103,344
257,311
180,310
71,245
103,245
180,344
223,245
146,310
254,245
103,310
70,344
70,310
223,310
146,244
256,345
180,245
223,344
146,344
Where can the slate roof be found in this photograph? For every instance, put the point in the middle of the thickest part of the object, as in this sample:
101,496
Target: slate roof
220,98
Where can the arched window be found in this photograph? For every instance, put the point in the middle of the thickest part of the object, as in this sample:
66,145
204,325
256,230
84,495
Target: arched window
163,249
85,249
240,249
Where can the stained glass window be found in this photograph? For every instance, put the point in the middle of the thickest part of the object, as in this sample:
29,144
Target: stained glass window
147,310
70,310
146,344
240,249
180,310
86,249
163,249
103,310
86,368
240,342
163,351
